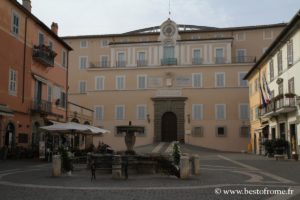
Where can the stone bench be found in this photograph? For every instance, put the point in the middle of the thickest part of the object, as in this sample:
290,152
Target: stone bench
279,157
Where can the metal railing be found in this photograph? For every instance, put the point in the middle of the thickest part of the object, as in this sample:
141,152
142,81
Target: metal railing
120,63
169,61
243,59
44,54
141,63
41,106
219,60
277,104
197,61
102,64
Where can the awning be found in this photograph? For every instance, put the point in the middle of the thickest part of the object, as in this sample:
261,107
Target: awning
6,111
260,128
39,78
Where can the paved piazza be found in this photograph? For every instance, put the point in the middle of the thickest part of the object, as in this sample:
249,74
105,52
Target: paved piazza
222,175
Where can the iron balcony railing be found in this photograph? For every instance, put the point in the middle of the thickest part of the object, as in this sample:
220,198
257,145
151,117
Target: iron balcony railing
44,54
141,63
197,61
41,106
279,105
243,59
102,64
169,61
120,63
219,60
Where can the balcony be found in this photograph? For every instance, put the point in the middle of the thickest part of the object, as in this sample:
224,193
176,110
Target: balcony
219,60
169,61
41,106
102,64
121,63
44,54
281,104
197,61
141,63
243,59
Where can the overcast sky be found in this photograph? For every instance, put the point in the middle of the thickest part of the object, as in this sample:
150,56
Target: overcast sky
87,17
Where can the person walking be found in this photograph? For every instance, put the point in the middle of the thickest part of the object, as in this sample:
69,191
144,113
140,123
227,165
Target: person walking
93,170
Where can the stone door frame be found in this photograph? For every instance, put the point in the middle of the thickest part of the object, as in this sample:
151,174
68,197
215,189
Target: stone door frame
169,104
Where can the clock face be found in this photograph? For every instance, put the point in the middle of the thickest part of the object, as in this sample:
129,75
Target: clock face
169,30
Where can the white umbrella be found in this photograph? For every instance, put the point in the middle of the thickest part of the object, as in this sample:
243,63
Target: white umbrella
74,127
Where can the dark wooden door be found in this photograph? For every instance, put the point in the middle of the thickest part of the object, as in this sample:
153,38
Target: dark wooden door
169,127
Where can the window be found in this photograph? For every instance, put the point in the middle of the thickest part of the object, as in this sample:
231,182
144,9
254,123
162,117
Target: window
142,81
12,82
120,82
220,111
104,43
219,53
121,60
267,34
241,36
197,57
104,61
221,131
290,53
64,58
120,112
83,44
82,87
56,93
291,85
198,131
242,82
141,112
197,112
244,111
245,131
141,59
220,79
15,24
197,80
256,85
41,39
99,83
49,93
271,69
99,112
279,62
83,61
62,100
280,88
241,55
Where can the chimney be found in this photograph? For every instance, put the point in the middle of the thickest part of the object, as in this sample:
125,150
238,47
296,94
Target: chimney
27,5
54,27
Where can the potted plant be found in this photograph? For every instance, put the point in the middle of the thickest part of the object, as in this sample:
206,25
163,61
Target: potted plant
269,147
290,95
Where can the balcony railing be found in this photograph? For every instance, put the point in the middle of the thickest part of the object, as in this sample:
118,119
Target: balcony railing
41,106
243,59
44,54
169,61
121,63
219,60
279,106
102,64
141,63
197,61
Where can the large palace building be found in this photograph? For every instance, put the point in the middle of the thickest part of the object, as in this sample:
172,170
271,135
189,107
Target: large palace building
175,82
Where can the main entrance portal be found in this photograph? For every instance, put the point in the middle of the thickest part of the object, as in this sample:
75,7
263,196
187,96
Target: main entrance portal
169,127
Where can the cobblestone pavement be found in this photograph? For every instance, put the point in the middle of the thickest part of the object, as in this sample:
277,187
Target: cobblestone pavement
250,175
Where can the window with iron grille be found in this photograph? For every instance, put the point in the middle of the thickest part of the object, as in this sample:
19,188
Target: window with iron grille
119,112
83,44
83,61
141,112
221,131
198,131
197,80
99,83
82,87
197,111
245,131
220,79
220,111
291,85
120,82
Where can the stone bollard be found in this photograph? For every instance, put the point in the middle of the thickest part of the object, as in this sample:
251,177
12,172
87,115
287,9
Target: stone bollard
117,167
56,165
196,165
184,167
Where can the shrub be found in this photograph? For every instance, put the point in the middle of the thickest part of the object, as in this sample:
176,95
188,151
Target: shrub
176,154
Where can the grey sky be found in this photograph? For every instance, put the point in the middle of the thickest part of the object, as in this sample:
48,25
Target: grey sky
86,17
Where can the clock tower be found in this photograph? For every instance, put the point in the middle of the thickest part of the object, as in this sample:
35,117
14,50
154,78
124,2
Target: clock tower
169,32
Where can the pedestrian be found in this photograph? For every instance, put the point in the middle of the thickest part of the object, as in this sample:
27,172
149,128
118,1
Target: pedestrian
93,170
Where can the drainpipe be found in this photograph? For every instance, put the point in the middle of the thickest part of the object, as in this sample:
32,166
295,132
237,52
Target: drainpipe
67,87
24,61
